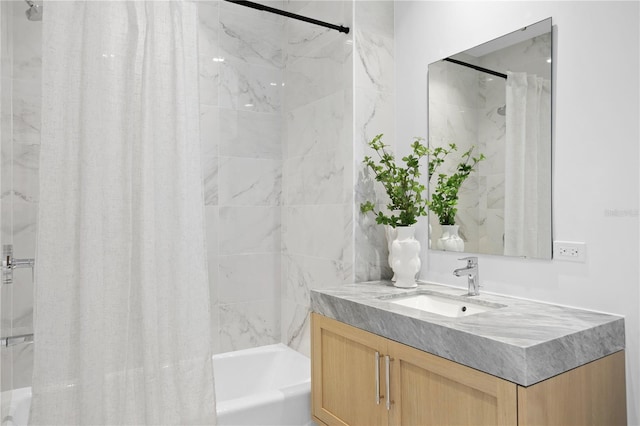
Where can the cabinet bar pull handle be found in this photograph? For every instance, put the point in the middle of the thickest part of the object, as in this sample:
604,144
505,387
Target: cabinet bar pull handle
387,362
377,378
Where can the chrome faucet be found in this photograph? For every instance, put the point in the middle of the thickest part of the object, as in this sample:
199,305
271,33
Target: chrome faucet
472,273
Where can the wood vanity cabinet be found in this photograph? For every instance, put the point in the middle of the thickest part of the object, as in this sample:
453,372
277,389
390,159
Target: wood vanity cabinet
351,386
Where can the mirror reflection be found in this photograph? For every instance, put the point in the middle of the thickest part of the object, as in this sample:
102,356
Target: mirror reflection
495,100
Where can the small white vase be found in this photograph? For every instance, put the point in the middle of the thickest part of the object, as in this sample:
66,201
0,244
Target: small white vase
450,240
405,251
391,234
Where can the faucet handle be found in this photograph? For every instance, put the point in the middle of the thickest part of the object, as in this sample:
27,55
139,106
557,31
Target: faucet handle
471,260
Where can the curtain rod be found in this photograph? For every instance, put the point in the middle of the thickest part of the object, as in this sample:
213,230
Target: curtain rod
289,15
475,67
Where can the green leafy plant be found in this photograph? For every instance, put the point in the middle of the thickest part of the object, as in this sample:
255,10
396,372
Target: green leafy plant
401,184
444,198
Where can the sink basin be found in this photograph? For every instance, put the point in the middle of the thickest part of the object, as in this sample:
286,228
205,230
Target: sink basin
446,306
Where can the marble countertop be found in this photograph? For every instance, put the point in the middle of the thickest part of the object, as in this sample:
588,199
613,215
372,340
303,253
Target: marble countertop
524,342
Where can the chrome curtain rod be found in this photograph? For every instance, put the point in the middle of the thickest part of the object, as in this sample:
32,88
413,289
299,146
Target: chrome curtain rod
477,68
290,15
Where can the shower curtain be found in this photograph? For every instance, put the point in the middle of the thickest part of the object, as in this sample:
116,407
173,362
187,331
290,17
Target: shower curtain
528,166
122,324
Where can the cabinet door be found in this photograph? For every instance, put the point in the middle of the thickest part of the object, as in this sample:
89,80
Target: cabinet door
429,390
344,370
591,395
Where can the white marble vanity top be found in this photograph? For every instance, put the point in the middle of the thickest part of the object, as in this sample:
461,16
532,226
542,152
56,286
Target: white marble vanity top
524,342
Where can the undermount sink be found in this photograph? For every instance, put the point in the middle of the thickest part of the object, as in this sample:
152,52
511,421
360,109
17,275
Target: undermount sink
441,305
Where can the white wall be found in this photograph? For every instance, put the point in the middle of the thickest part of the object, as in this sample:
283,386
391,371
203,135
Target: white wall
374,113
595,147
317,212
240,132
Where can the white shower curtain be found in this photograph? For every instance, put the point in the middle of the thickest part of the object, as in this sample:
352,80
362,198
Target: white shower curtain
121,323
527,221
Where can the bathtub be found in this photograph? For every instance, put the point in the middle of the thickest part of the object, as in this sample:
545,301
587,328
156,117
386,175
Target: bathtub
268,385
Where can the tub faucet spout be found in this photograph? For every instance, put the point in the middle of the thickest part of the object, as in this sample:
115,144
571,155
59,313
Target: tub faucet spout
472,273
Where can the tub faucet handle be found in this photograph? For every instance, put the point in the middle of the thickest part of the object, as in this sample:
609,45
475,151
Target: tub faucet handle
9,263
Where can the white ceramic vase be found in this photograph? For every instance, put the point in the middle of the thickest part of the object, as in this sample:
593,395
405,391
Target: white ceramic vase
391,234
450,240
405,251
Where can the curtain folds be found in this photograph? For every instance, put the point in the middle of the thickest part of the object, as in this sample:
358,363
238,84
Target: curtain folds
528,166
122,299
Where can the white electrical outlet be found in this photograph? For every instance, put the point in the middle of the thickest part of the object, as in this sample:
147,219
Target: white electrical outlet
571,251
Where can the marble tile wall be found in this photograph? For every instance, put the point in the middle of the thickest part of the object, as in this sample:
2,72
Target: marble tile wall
317,216
241,86
374,94
20,147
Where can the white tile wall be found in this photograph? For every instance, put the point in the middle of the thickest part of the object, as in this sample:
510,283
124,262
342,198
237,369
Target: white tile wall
374,90
317,233
250,135
254,229
243,277
240,97
249,324
250,181
249,87
259,43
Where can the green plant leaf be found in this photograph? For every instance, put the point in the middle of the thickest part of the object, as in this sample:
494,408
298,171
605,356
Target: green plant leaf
444,198
400,182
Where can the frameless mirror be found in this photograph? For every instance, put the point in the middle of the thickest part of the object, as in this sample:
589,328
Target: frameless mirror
496,99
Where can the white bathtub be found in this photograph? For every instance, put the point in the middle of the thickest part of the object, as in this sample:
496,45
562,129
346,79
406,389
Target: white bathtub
268,385
16,406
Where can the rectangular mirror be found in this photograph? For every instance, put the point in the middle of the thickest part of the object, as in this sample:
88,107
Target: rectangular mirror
495,99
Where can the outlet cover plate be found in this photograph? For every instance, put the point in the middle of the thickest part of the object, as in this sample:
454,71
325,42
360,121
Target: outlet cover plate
570,251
